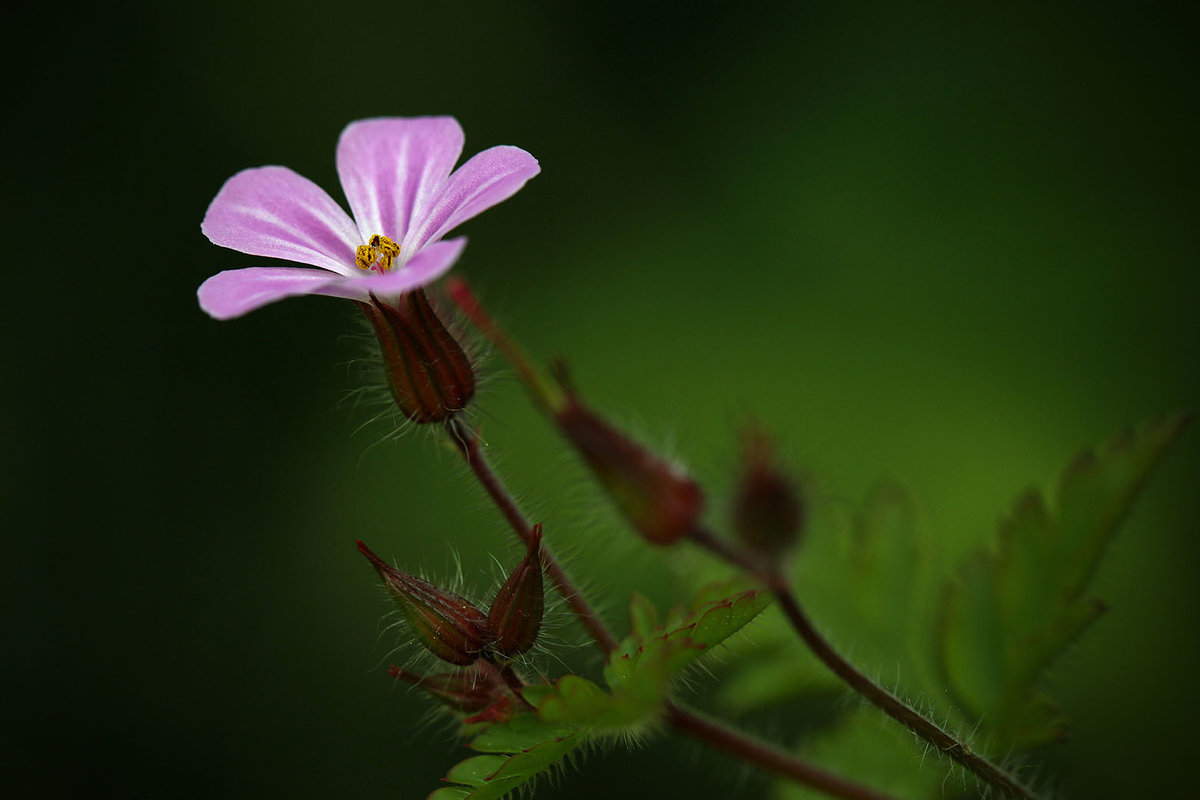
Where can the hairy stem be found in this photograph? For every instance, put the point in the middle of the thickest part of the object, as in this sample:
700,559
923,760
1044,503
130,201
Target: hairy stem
766,757
881,698
467,443
712,733
546,398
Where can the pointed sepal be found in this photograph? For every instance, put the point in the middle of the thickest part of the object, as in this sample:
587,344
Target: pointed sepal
448,625
469,691
428,372
515,617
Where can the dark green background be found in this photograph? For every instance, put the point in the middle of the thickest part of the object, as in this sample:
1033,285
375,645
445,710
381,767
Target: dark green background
949,245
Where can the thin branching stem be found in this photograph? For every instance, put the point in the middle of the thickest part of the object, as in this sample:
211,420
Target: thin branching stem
959,751
881,698
767,757
739,745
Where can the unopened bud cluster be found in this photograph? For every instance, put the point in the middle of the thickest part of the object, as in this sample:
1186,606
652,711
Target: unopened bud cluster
454,629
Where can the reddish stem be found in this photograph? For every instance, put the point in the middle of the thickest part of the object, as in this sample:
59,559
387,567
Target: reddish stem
737,744
881,698
545,393
468,444
769,758
549,397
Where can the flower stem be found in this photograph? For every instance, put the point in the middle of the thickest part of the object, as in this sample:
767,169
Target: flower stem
712,733
767,757
546,394
881,698
467,443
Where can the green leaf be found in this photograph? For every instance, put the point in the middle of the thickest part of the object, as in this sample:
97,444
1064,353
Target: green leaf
1012,611
450,793
578,701
475,771
515,752
523,732
656,656
643,616
871,588
640,671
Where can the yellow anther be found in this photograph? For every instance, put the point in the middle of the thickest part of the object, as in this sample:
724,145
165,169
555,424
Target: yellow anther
364,256
380,249
385,245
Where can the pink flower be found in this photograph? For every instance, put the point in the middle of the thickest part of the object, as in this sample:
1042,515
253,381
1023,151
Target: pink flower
396,173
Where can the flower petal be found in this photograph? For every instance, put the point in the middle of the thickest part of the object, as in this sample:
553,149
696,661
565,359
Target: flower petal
273,212
392,167
422,269
233,292
485,180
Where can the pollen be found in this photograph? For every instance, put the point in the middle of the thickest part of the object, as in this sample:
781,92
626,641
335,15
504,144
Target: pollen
377,255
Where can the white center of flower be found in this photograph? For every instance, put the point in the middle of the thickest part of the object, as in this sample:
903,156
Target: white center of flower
378,255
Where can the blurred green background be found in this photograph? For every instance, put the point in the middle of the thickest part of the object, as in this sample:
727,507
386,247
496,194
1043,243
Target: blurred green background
949,245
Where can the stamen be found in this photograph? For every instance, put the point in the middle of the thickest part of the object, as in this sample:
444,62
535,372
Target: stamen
385,245
380,249
364,257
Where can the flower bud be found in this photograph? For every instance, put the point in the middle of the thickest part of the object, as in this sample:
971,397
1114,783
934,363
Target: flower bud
657,497
768,512
469,691
452,628
516,614
429,375
660,501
